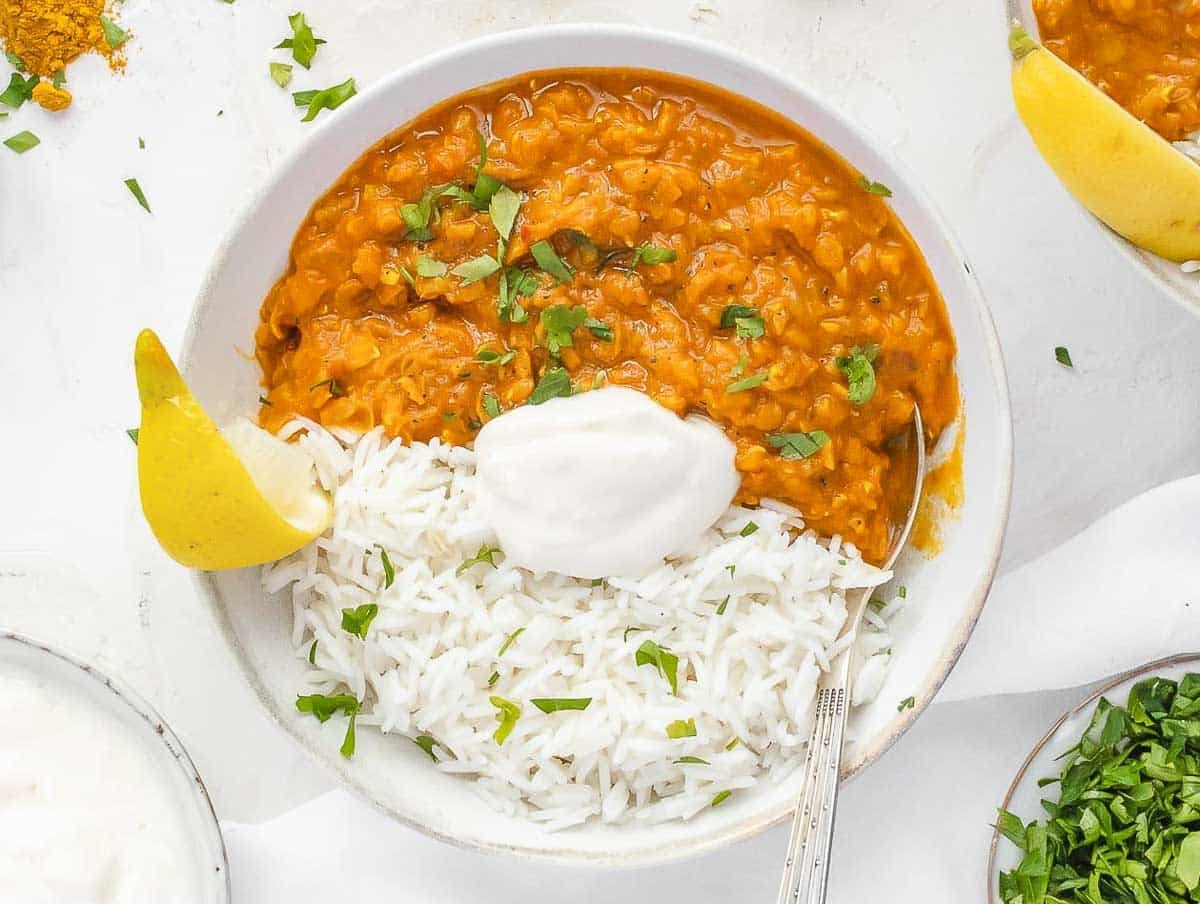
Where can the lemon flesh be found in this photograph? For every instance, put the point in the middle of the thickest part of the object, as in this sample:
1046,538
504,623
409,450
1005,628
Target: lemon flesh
218,499
1118,167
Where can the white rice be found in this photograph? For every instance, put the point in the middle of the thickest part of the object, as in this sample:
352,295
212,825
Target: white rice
1191,147
749,673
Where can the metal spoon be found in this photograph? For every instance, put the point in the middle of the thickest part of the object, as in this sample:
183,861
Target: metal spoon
806,871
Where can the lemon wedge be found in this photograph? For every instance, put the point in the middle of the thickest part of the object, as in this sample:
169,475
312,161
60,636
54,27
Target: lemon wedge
218,499
1118,167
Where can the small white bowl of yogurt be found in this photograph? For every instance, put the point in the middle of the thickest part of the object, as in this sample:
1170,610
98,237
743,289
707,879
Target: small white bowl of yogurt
98,799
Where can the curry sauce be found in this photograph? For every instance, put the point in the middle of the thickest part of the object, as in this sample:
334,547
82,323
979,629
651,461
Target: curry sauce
1144,54
370,325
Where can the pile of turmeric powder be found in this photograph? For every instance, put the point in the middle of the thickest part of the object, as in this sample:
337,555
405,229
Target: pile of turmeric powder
44,36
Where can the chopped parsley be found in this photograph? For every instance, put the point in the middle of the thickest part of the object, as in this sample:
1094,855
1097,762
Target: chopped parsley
599,329
555,383
485,554
22,141
744,320
515,284
1063,356
326,99
419,216
646,253
859,369
507,714
549,261
323,707
1124,826
560,704
426,743
794,446
476,269
114,34
389,573
19,90
503,209
281,73
357,621
136,191
751,382
491,405
875,188
303,43
509,641
560,322
906,703
681,728
666,662
335,388
490,356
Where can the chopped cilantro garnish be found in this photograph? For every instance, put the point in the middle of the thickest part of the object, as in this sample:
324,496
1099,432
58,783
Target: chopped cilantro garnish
281,73
515,283
303,43
547,258
357,621
750,382
507,714
19,90
489,356
389,572
750,327
732,313
749,528
859,369
491,405
681,728
114,35
646,253
15,61
1063,356
476,269
136,191
133,435
323,707
724,604
509,641
560,322
349,741
692,760
495,676
902,592
906,703
485,554
334,387
720,797
875,188
599,329
560,704
22,141
798,445
429,267
555,383
328,98
312,654
667,663
426,743
733,742
503,208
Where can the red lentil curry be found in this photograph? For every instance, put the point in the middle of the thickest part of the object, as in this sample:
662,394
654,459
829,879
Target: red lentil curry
670,237
1144,54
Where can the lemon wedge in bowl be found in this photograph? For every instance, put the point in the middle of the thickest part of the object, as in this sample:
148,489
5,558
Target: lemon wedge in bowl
1119,168
218,499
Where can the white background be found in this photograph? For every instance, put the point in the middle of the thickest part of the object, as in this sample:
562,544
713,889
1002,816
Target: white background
83,268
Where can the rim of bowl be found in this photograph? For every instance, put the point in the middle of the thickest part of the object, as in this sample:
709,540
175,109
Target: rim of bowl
1143,261
1022,775
939,670
159,727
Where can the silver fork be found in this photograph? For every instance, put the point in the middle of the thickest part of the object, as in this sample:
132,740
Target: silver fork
806,870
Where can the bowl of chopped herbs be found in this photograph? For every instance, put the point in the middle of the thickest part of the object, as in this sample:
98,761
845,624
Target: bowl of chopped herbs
1106,809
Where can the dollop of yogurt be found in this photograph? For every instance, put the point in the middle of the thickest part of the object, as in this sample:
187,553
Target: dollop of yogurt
602,484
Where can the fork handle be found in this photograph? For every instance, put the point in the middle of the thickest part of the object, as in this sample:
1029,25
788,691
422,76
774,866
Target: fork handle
806,871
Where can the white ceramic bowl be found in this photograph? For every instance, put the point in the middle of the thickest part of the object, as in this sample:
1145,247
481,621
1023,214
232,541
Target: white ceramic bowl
122,707
1183,288
1024,797
948,591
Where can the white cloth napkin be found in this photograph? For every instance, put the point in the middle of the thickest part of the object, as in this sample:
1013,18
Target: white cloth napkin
912,828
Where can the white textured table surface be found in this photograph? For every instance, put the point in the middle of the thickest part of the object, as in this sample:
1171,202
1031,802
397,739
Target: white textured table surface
82,268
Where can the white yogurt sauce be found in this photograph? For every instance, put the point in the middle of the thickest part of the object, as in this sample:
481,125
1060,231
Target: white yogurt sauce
89,813
601,484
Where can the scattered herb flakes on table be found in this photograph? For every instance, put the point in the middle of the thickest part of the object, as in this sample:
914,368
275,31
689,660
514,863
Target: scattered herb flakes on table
1125,828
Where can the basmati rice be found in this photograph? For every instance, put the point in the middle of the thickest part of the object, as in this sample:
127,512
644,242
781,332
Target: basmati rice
753,620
